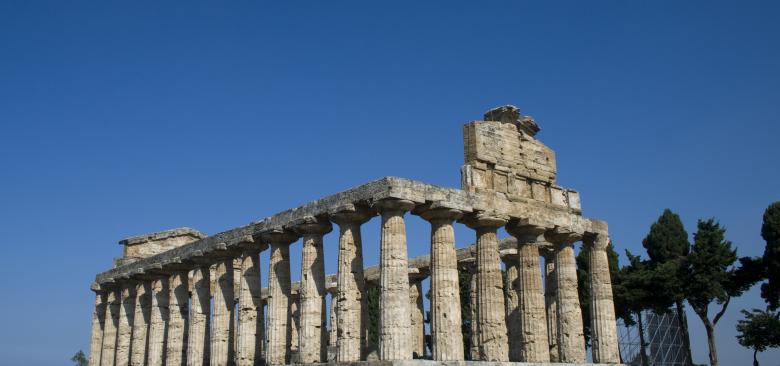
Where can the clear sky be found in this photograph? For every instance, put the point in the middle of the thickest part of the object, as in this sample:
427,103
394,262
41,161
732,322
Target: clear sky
122,118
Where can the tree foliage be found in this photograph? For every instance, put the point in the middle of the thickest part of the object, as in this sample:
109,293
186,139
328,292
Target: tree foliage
79,359
759,330
770,231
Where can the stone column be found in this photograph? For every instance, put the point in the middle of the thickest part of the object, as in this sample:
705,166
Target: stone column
551,303
417,317
198,337
98,322
512,304
351,309
178,318
571,339
141,323
471,267
312,346
394,315
125,330
250,311
110,326
333,331
446,337
604,341
531,316
279,314
491,311
159,322
221,351
295,317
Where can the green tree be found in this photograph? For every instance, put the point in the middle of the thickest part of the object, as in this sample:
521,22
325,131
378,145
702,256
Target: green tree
712,277
372,301
759,330
770,231
633,291
667,246
79,359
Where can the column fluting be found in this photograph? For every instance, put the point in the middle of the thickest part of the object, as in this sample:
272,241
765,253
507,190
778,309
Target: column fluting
351,309
222,342
159,322
604,342
571,340
142,320
417,317
491,311
250,311
98,322
446,336
178,319
394,315
312,345
279,286
198,343
126,319
512,303
110,326
551,303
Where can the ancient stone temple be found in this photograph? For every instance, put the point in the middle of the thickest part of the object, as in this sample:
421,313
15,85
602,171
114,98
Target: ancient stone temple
180,297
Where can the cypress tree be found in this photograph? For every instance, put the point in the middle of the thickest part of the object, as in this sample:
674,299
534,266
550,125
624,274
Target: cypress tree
770,231
667,246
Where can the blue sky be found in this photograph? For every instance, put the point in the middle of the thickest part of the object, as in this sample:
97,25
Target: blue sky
118,119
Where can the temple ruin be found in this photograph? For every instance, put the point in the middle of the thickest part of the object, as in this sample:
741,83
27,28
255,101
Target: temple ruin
180,297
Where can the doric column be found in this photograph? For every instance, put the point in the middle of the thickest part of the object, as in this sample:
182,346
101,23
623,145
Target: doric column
470,266
279,314
312,346
351,309
198,338
603,338
333,331
394,318
221,351
159,322
98,322
250,311
571,339
295,317
491,311
126,319
417,317
531,316
551,303
512,303
446,336
178,317
141,323
110,326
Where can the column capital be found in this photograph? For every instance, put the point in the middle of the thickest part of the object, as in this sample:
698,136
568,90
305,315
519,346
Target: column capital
484,219
436,211
351,214
418,274
598,241
388,205
279,236
562,237
310,225
526,232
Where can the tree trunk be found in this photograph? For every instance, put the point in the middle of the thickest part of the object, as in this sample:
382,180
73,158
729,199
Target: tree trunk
642,350
710,328
755,359
683,321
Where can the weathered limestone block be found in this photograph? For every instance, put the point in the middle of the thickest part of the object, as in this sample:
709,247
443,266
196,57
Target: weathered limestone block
333,331
491,311
446,336
531,316
551,303
571,339
295,316
109,327
125,329
312,347
178,317
222,341
417,319
279,286
142,321
98,322
604,341
250,312
394,315
147,245
351,309
198,338
159,322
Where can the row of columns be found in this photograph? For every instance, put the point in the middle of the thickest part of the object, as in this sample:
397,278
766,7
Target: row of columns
157,321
